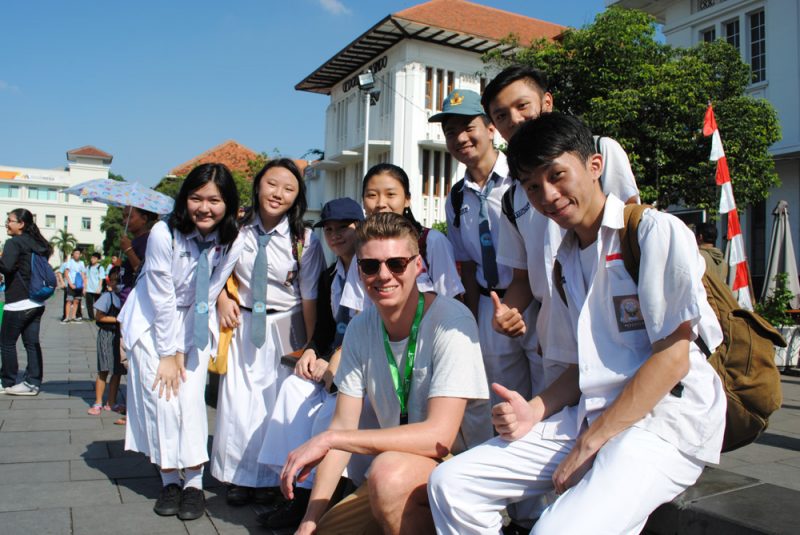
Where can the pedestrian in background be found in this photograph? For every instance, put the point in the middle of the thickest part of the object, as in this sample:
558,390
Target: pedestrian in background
107,308
75,277
21,315
95,277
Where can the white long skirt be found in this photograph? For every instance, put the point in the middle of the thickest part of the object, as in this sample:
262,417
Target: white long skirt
247,395
174,433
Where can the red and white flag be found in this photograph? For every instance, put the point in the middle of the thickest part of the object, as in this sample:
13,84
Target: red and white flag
739,278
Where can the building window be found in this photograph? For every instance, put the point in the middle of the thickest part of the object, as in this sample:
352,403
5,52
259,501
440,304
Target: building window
50,221
708,35
758,47
438,84
86,223
66,222
437,171
9,192
732,33
42,194
428,88
426,170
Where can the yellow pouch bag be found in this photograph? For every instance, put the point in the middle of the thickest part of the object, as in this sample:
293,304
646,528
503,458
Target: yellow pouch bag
219,363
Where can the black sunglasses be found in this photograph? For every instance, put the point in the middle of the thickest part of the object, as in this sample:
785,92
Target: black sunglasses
397,265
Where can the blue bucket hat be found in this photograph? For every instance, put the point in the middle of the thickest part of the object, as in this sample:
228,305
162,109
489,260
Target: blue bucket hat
344,209
459,102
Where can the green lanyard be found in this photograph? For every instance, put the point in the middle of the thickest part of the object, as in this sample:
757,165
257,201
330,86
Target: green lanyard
403,389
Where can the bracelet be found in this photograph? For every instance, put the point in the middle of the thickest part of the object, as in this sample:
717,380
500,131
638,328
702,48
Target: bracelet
128,249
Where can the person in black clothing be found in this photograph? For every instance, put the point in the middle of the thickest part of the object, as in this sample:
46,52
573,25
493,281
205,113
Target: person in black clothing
21,315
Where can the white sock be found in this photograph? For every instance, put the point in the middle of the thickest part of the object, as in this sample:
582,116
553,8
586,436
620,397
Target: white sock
193,478
170,478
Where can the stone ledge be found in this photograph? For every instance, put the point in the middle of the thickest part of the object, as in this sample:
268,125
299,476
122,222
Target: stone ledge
724,502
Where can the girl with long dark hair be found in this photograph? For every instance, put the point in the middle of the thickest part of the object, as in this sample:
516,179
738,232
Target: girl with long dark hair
277,272
166,336
21,316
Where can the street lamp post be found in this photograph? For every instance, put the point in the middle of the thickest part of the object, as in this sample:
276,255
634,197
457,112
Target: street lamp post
366,83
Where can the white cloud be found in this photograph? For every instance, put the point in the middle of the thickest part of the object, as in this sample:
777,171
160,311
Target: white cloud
335,7
5,86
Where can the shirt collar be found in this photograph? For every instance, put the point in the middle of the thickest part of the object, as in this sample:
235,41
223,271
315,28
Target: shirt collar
500,173
282,228
195,235
613,213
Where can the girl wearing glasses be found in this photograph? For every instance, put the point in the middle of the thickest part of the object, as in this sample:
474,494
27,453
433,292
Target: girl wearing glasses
22,316
386,188
277,273
164,325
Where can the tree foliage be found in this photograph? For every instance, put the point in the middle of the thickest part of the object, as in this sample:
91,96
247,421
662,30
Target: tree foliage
64,241
651,97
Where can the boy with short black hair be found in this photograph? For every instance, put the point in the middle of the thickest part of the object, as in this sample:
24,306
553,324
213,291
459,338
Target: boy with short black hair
638,411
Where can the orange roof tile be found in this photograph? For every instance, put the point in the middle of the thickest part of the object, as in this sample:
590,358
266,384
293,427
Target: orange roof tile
90,151
483,21
230,153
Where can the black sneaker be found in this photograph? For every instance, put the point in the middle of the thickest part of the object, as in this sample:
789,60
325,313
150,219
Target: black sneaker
289,514
266,495
193,504
238,495
169,501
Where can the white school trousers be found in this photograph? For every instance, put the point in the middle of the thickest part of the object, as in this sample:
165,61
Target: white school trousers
247,394
174,433
512,362
632,474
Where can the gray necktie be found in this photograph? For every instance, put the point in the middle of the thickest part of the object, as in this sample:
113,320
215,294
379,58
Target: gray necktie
258,325
202,276
487,247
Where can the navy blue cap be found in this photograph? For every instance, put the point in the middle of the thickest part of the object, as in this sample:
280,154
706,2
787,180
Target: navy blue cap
344,209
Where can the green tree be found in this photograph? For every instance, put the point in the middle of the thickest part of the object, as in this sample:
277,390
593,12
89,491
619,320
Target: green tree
65,242
112,223
652,97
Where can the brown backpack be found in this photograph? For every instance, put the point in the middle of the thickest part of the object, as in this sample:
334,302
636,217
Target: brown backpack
745,360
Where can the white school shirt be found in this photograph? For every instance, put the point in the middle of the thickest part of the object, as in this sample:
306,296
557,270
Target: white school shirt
609,328
285,288
439,275
167,283
74,267
466,237
533,243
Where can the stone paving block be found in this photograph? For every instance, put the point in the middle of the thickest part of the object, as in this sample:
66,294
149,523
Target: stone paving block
125,467
48,424
761,453
145,489
116,449
30,438
794,461
200,526
41,522
5,404
27,496
225,517
123,519
39,472
32,414
54,452
40,403
111,436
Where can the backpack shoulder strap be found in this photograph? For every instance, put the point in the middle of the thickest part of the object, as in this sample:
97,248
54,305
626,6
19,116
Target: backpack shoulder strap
558,281
507,204
629,238
422,242
457,198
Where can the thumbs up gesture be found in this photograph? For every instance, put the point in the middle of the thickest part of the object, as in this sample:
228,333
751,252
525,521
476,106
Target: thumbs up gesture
513,417
507,321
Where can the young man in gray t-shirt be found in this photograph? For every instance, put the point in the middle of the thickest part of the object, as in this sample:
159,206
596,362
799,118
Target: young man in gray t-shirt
416,357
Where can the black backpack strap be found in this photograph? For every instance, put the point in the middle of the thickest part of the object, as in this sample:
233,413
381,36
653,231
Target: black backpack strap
508,204
457,198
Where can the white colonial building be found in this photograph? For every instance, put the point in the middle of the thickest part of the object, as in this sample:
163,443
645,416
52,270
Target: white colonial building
416,57
767,34
40,191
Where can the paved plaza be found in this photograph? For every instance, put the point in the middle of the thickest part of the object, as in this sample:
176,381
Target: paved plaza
65,472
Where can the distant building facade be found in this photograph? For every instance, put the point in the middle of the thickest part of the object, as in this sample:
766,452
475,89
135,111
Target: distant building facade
416,57
40,191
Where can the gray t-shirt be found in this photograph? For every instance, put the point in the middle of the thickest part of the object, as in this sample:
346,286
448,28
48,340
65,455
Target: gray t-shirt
448,363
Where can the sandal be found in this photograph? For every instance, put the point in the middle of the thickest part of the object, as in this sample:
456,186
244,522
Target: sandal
95,409
121,421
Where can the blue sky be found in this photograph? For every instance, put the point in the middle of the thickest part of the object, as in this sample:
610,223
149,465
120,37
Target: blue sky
157,82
